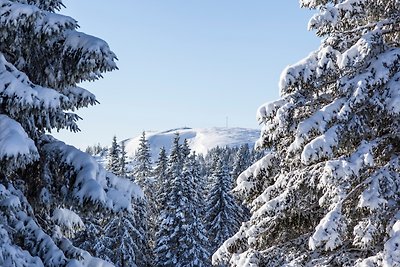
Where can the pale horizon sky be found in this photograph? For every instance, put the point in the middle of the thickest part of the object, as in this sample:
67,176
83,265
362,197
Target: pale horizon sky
187,63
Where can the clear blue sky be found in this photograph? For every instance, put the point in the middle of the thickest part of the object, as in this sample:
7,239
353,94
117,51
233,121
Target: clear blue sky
187,63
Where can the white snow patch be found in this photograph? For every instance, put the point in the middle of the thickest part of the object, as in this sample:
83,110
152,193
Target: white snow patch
14,141
327,233
67,218
391,252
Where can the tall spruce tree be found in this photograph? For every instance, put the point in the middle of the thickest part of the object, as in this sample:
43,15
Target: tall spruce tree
193,240
327,193
223,214
143,175
167,244
47,188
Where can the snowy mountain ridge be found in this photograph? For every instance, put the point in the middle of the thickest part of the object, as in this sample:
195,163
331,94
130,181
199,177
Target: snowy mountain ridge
200,140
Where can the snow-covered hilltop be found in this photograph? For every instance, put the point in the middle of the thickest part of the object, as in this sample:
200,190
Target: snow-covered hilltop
200,140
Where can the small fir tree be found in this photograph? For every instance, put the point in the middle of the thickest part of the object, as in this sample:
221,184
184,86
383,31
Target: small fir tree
160,174
122,161
242,161
113,157
142,170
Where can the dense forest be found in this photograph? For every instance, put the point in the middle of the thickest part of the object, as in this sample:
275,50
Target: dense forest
188,210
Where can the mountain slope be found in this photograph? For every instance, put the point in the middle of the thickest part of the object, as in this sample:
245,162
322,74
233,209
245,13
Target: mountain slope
200,140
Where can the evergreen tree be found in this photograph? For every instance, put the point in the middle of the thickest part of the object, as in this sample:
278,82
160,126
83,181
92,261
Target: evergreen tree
47,188
193,239
160,174
193,165
116,243
223,214
203,166
122,161
241,161
113,157
124,239
142,169
166,247
185,150
327,192
143,175
88,238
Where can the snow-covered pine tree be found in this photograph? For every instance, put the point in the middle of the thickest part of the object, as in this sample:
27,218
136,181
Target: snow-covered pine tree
113,157
47,188
160,174
200,183
142,238
167,245
185,150
122,161
327,192
123,239
212,158
142,169
241,160
223,214
143,174
194,244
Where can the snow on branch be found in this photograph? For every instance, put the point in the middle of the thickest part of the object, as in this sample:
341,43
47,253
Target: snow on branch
15,254
67,219
390,256
15,145
318,122
360,51
337,174
35,239
13,14
21,93
247,181
45,22
372,196
391,252
52,24
378,72
330,16
327,233
79,97
34,106
95,54
310,70
393,95
267,110
321,147
92,182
